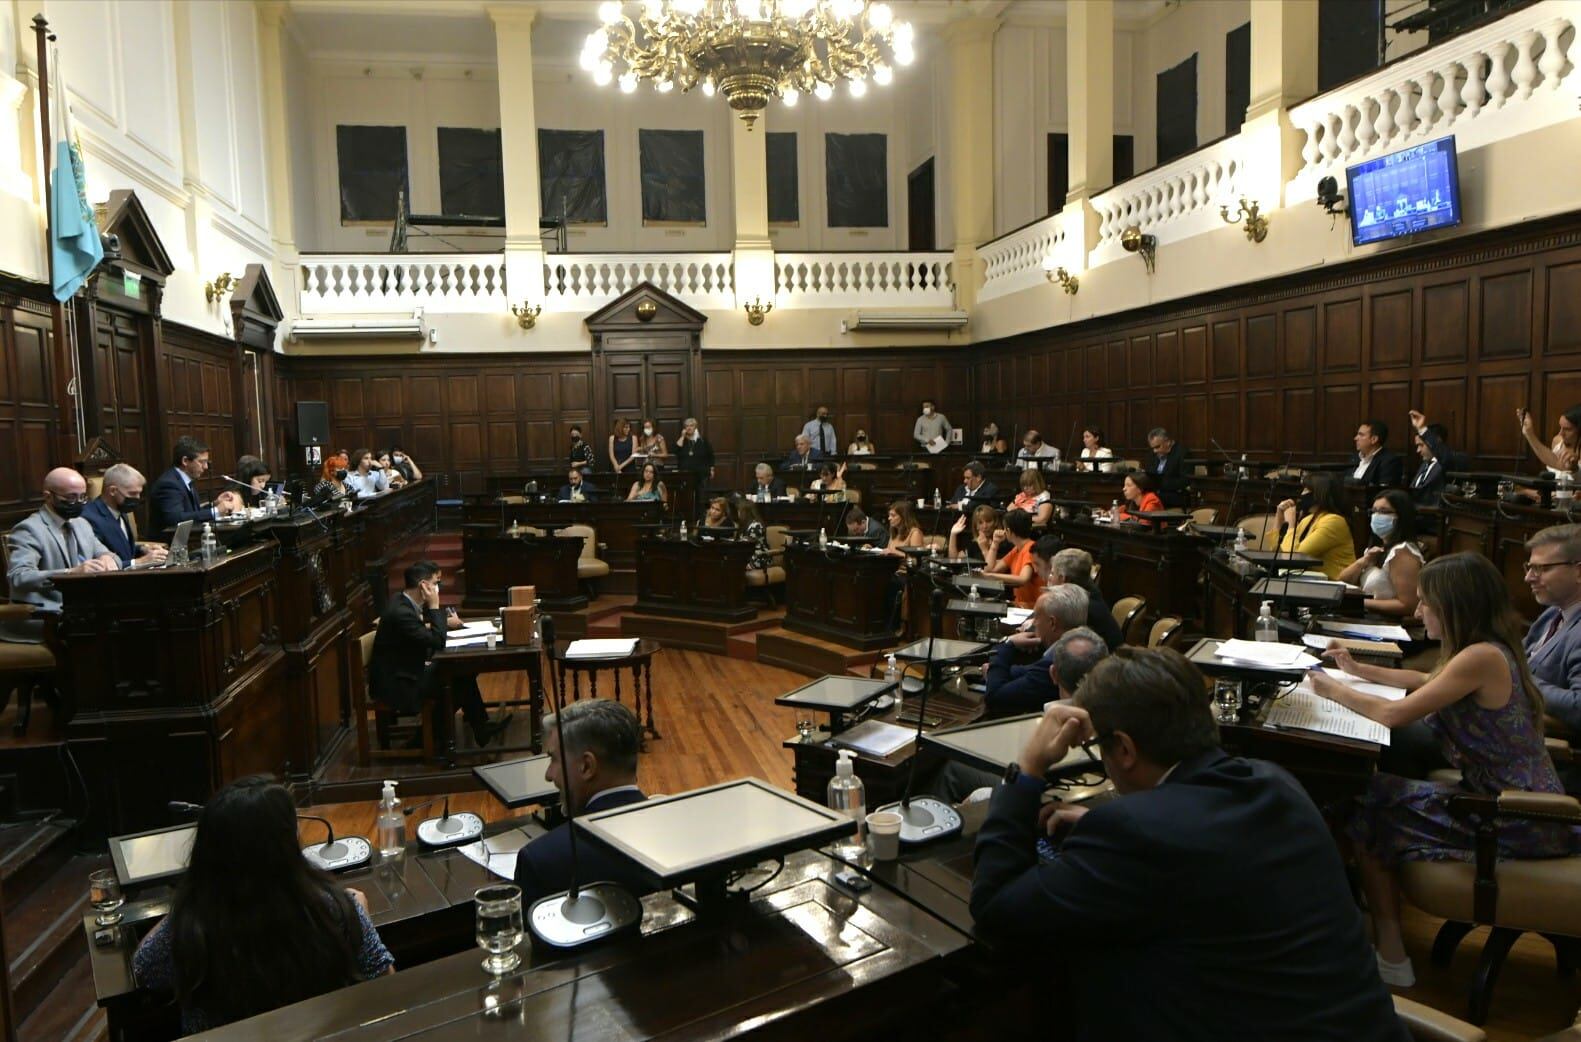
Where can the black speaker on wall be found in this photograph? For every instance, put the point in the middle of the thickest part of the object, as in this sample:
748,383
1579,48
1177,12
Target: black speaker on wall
312,423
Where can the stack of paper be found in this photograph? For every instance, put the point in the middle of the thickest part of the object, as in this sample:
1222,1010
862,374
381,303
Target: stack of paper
472,635
613,647
1265,653
1306,710
1393,694
497,853
875,738
1363,630
1017,616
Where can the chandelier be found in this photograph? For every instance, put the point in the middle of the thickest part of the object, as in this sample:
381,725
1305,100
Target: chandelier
749,50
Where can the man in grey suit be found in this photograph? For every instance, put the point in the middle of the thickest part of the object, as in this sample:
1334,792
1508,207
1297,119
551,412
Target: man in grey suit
56,539
1553,646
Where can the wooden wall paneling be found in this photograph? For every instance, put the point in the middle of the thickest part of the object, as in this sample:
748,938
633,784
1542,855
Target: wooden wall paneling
1444,401
1342,408
1299,345
1299,416
1446,320
1341,332
1224,419
1139,363
1389,338
29,427
1227,349
1495,434
1263,428
1262,345
1562,307
1194,354
1390,402
1503,306
1166,357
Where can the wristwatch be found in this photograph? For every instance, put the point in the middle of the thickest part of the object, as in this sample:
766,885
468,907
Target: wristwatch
1012,772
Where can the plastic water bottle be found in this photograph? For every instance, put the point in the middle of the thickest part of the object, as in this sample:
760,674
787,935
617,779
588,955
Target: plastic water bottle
892,676
1056,459
1266,627
848,796
683,531
938,500
1564,490
972,594
823,539
208,547
391,825
1114,510
1245,473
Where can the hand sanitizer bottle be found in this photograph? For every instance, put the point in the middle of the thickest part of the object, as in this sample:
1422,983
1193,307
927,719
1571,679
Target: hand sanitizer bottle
207,546
848,795
1266,628
391,825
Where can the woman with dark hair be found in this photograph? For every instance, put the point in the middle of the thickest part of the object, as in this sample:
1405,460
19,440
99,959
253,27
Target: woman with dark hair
652,444
718,514
1140,492
1482,703
1387,572
1563,455
904,529
1317,526
750,524
1017,568
986,542
829,485
1093,447
254,473
648,488
994,443
253,926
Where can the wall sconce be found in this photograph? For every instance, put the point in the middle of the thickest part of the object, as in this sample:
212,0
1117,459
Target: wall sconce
1255,226
1054,273
1133,241
224,284
526,314
757,308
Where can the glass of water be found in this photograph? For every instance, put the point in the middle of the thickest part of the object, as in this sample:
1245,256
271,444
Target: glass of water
1506,488
104,894
1227,697
499,926
804,728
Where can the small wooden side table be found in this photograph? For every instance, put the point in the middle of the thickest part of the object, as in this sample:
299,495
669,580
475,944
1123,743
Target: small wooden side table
639,661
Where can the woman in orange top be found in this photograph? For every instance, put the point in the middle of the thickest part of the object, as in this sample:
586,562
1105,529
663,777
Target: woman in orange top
1016,569
1139,496
1034,498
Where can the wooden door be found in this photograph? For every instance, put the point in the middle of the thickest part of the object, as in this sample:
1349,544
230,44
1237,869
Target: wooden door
123,409
643,384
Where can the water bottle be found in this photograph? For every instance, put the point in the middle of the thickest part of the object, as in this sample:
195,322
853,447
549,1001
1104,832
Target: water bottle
391,825
1239,563
1114,510
207,546
1056,459
848,796
1266,627
892,676
823,539
938,500
972,594
1564,490
683,531
1244,471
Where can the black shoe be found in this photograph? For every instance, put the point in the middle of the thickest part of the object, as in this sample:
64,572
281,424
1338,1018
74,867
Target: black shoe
486,734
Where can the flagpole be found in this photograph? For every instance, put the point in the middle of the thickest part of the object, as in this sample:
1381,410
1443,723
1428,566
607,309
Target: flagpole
65,351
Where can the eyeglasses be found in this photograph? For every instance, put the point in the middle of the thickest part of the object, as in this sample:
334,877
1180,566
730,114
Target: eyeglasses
1534,568
82,499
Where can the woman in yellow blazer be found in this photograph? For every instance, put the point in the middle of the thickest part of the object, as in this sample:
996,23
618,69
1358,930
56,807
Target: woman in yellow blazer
1317,526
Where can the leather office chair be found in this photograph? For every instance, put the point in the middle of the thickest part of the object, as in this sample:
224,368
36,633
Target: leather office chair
1512,896
774,574
26,669
589,567
1426,1024
1262,530
384,719
1569,1034
1165,632
1127,612
1205,516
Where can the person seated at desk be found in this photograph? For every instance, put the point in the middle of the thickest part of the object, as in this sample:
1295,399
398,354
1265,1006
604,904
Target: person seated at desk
1136,491
829,485
1074,565
253,926
1553,571
1015,689
767,486
1324,533
173,498
857,523
1034,450
253,472
1563,454
1015,569
1429,440
621,446
993,443
400,676
402,463
718,514
383,459
1373,465
53,540
1034,498
596,770
1487,710
577,489
750,524
803,456
904,529
365,476
332,480
861,446
1094,448
1387,571
932,429
1140,879
111,518
987,542
1168,468
648,488
820,433
974,487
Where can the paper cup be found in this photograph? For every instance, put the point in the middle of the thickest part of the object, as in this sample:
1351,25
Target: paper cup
883,835
921,503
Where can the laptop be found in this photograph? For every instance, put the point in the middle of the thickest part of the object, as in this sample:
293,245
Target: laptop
182,537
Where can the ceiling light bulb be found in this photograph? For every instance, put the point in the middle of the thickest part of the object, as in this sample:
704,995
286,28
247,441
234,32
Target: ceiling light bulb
664,86
598,40
790,97
883,75
904,55
588,59
750,10
904,33
823,92
689,7
628,83
603,75
848,9
708,88
653,9
880,17
858,88
794,9
609,12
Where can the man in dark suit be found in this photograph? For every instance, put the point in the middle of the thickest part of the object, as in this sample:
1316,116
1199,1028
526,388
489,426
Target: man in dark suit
766,485
596,770
1553,645
803,456
111,517
1024,688
1373,465
1141,881
1057,564
1168,468
576,488
857,523
400,676
174,498
974,488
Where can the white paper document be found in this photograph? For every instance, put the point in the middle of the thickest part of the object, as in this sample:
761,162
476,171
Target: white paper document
1363,630
498,853
875,738
1306,710
1265,653
481,628
476,641
1017,616
607,648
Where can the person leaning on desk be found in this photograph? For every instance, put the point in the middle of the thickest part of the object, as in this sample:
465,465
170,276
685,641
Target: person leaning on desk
577,489
1317,525
1208,902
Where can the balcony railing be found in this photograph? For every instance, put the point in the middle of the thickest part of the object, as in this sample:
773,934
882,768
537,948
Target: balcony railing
1174,201
350,284
833,280
580,282
1015,262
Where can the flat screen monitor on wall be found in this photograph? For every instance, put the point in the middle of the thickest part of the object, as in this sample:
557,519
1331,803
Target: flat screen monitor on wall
1404,193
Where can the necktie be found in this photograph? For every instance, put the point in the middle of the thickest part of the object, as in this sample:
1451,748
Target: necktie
1553,628
126,526
73,551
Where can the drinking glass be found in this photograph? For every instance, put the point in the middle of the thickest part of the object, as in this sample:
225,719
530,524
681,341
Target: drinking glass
1227,697
104,894
804,728
499,926
1506,488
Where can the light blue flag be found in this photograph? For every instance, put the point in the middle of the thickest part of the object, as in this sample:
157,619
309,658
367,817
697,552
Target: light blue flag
74,241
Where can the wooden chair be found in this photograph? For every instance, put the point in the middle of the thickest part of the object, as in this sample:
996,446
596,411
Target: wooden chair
1205,516
1165,632
774,574
1262,530
385,720
589,567
1127,612
1511,896
26,669
1426,1024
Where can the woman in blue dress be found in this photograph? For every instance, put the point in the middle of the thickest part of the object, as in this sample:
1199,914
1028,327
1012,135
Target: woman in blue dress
621,446
1481,702
648,488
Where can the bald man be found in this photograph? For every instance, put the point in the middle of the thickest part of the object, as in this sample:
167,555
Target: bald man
56,540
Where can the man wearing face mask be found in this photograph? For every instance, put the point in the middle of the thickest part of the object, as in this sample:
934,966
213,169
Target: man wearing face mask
932,429
111,518
53,541
819,432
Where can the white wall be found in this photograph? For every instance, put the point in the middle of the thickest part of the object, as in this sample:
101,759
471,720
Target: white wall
1198,27
303,142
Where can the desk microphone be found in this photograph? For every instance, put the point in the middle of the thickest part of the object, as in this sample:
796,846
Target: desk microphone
238,484
336,855
1236,488
183,810
926,818
582,914
1070,450
448,829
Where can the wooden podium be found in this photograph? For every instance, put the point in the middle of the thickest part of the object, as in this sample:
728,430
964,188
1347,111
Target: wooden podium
839,597
694,579
495,561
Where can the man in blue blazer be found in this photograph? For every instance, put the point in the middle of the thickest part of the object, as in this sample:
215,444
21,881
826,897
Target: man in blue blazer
174,498
1014,689
1208,902
597,770
1553,645
111,517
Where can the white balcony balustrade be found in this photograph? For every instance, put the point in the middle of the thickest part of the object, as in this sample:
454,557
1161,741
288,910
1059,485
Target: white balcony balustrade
1014,262
584,281
1174,201
382,284
874,280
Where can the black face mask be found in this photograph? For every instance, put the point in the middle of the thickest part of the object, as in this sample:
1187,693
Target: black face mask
68,510
1305,502
130,504
340,475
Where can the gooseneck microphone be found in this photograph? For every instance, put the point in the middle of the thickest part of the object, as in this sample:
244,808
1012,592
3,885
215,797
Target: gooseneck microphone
926,818
448,829
336,855
582,914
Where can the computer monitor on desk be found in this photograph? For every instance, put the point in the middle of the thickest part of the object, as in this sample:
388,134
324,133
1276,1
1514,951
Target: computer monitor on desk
518,783
144,858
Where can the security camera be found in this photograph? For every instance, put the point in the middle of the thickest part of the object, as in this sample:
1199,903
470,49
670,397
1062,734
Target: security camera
1330,197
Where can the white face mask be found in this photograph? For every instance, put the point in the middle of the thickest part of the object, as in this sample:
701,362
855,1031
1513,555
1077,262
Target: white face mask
648,431
927,410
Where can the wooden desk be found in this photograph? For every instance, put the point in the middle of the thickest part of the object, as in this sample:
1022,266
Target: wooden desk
474,662
687,493
1163,567
495,561
613,521
1499,532
692,578
840,597
640,662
